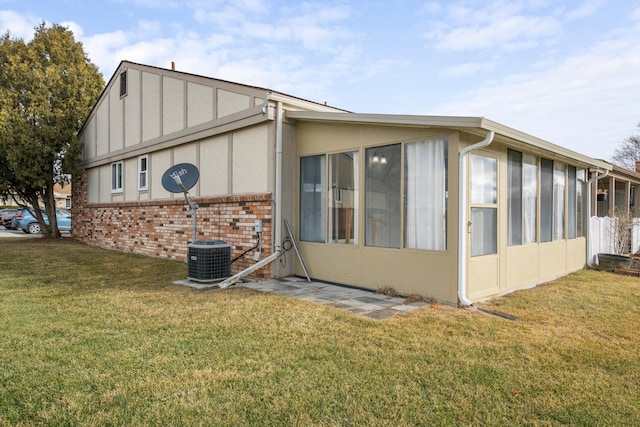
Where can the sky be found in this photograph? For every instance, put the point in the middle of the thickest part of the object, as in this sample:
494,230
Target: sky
564,71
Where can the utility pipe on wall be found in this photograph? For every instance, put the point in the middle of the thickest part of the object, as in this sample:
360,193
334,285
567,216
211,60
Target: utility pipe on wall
278,214
588,231
462,217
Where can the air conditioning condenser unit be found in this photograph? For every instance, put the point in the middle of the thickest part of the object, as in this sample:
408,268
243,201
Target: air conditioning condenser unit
209,260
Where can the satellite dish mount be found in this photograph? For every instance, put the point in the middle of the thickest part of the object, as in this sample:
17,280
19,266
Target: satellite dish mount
179,179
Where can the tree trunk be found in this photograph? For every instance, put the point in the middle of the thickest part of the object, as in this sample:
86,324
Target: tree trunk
50,206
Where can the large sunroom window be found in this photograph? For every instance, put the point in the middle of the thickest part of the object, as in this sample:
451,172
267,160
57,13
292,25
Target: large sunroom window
382,198
522,197
312,198
546,200
558,201
426,188
405,198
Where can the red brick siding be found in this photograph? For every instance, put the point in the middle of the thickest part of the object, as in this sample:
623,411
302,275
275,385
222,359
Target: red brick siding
163,228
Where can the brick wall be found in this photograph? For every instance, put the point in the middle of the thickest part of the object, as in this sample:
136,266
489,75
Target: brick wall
163,228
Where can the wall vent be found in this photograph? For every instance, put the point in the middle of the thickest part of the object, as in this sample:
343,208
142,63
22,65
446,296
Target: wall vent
123,83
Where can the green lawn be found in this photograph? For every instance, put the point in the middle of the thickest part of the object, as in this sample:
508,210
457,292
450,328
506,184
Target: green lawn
96,337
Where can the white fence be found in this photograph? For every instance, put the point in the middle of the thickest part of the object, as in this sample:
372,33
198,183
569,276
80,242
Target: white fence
602,236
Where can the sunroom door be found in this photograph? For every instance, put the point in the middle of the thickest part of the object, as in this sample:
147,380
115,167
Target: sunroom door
483,222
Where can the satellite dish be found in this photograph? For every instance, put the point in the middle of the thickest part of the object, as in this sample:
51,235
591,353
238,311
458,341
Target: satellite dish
180,178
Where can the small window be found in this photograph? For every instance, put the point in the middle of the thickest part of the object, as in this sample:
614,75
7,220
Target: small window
143,173
67,203
123,83
116,177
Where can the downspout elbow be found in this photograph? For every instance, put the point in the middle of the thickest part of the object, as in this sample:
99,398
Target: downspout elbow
462,216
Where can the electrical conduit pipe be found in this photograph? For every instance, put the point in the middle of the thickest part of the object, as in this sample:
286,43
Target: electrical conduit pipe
462,216
277,225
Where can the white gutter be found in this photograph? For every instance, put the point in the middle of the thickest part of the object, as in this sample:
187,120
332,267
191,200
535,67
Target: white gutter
463,221
588,231
277,224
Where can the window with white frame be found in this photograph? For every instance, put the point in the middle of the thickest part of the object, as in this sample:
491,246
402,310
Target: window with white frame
546,200
426,191
522,197
559,184
484,205
116,177
312,199
143,172
405,200
383,181
581,191
343,197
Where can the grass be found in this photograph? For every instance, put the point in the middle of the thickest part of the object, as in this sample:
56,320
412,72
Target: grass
97,337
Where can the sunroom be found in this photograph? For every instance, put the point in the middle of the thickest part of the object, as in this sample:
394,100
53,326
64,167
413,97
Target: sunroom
387,201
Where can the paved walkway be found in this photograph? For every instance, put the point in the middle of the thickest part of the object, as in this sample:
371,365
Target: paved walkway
356,301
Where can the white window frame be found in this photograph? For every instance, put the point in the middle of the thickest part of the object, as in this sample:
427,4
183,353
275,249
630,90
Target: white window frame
116,176
143,172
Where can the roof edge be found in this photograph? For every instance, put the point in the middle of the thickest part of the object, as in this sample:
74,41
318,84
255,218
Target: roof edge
459,122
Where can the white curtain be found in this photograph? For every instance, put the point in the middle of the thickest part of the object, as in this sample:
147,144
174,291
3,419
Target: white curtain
529,197
558,201
426,198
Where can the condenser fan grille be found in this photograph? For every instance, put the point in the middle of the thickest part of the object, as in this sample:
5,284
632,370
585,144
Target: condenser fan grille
209,260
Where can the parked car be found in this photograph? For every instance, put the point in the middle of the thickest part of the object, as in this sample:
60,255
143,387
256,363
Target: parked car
25,221
6,215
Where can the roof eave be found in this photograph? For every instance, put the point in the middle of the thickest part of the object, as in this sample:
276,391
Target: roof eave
469,124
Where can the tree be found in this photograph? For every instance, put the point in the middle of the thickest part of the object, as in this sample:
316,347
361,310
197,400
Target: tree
628,153
47,89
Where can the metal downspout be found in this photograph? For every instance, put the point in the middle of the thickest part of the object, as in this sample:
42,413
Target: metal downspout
278,199
588,233
462,217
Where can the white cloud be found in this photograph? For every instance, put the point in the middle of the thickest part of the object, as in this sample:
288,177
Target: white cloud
592,94
468,68
21,26
586,9
497,25
520,29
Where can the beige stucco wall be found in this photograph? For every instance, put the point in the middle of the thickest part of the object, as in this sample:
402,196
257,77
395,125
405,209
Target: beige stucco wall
116,129
93,185
172,105
132,108
231,102
200,104
250,160
235,163
150,106
215,160
102,127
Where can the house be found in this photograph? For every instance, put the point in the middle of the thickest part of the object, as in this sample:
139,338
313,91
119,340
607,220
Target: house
618,191
454,208
614,212
61,195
